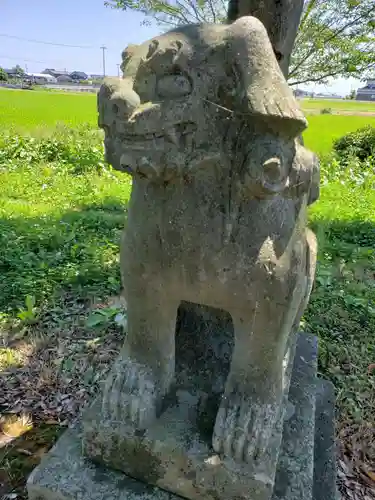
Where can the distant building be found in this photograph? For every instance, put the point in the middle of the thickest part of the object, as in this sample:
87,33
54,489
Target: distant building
55,73
78,75
64,79
302,93
366,93
41,78
12,73
96,77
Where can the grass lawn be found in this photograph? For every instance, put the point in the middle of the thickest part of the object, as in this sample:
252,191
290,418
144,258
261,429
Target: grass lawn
61,214
324,129
32,109
338,104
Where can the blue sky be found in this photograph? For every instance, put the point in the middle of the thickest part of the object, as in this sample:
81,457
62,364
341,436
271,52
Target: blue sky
73,22
80,22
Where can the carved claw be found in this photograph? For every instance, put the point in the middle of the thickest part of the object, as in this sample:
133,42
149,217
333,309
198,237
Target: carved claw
130,394
244,427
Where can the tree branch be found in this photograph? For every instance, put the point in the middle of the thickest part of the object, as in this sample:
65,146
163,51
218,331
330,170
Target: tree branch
315,80
330,38
212,10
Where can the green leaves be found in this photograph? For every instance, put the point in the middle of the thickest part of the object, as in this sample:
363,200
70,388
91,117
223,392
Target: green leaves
103,317
336,39
82,153
359,144
170,13
29,315
3,75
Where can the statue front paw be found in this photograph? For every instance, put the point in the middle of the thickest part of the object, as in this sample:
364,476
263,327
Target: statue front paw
131,394
244,426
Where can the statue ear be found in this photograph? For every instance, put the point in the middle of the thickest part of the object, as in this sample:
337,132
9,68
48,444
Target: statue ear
261,88
274,177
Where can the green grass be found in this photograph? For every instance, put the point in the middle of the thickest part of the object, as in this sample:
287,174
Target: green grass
30,109
324,129
60,231
338,104
342,307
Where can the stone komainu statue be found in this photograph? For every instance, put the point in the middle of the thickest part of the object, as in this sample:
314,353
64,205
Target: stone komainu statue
206,124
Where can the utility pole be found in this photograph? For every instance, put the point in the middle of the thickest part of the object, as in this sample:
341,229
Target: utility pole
104,48
118,70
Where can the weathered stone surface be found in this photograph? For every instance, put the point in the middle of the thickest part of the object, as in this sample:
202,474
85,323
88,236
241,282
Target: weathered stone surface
281,19
294,479
325,487
176,452
207,125
65,474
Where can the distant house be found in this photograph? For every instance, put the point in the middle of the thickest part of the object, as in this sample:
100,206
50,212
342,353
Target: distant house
48,71
55,73
366,93
64,79
96,77
12,73
78,75
41,78
301,93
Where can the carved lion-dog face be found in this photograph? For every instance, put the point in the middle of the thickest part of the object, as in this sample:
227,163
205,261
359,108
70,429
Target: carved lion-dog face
197,94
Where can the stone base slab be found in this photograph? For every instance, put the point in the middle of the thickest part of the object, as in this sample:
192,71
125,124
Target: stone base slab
176,454
65,474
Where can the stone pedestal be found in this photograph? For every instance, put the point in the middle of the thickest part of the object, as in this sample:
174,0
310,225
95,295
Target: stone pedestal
306,464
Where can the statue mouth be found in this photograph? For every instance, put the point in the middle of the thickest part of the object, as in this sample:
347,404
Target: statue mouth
174,134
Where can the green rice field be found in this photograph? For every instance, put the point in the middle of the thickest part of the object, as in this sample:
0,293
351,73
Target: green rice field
29,110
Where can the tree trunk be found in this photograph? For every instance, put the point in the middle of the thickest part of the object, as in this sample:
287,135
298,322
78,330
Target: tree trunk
281,19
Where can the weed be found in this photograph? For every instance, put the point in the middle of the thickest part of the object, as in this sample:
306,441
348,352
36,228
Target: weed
103,317
29,315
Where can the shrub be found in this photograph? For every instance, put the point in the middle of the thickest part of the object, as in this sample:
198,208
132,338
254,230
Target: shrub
326,111
75,151
359,144
352,171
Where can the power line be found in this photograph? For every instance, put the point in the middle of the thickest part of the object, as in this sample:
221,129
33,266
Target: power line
48,43
20,58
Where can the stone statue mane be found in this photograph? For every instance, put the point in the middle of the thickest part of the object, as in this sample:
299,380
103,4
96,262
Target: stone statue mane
206,124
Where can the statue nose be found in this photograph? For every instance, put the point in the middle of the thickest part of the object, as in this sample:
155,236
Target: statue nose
116,100
125,102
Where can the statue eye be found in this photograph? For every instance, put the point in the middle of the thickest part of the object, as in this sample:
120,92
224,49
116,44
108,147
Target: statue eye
171,86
